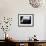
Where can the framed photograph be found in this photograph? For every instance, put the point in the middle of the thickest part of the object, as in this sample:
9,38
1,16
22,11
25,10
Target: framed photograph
25,20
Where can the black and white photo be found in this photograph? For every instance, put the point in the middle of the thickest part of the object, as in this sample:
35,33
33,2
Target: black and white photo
25,20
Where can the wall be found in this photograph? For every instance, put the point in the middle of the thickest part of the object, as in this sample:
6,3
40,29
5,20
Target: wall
11,8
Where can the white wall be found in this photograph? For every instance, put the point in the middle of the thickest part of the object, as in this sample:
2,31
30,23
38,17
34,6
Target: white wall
11,8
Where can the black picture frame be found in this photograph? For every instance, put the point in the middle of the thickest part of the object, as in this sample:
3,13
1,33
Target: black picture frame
25,20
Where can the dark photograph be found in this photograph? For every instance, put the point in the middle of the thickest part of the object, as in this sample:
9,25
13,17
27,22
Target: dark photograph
25,19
